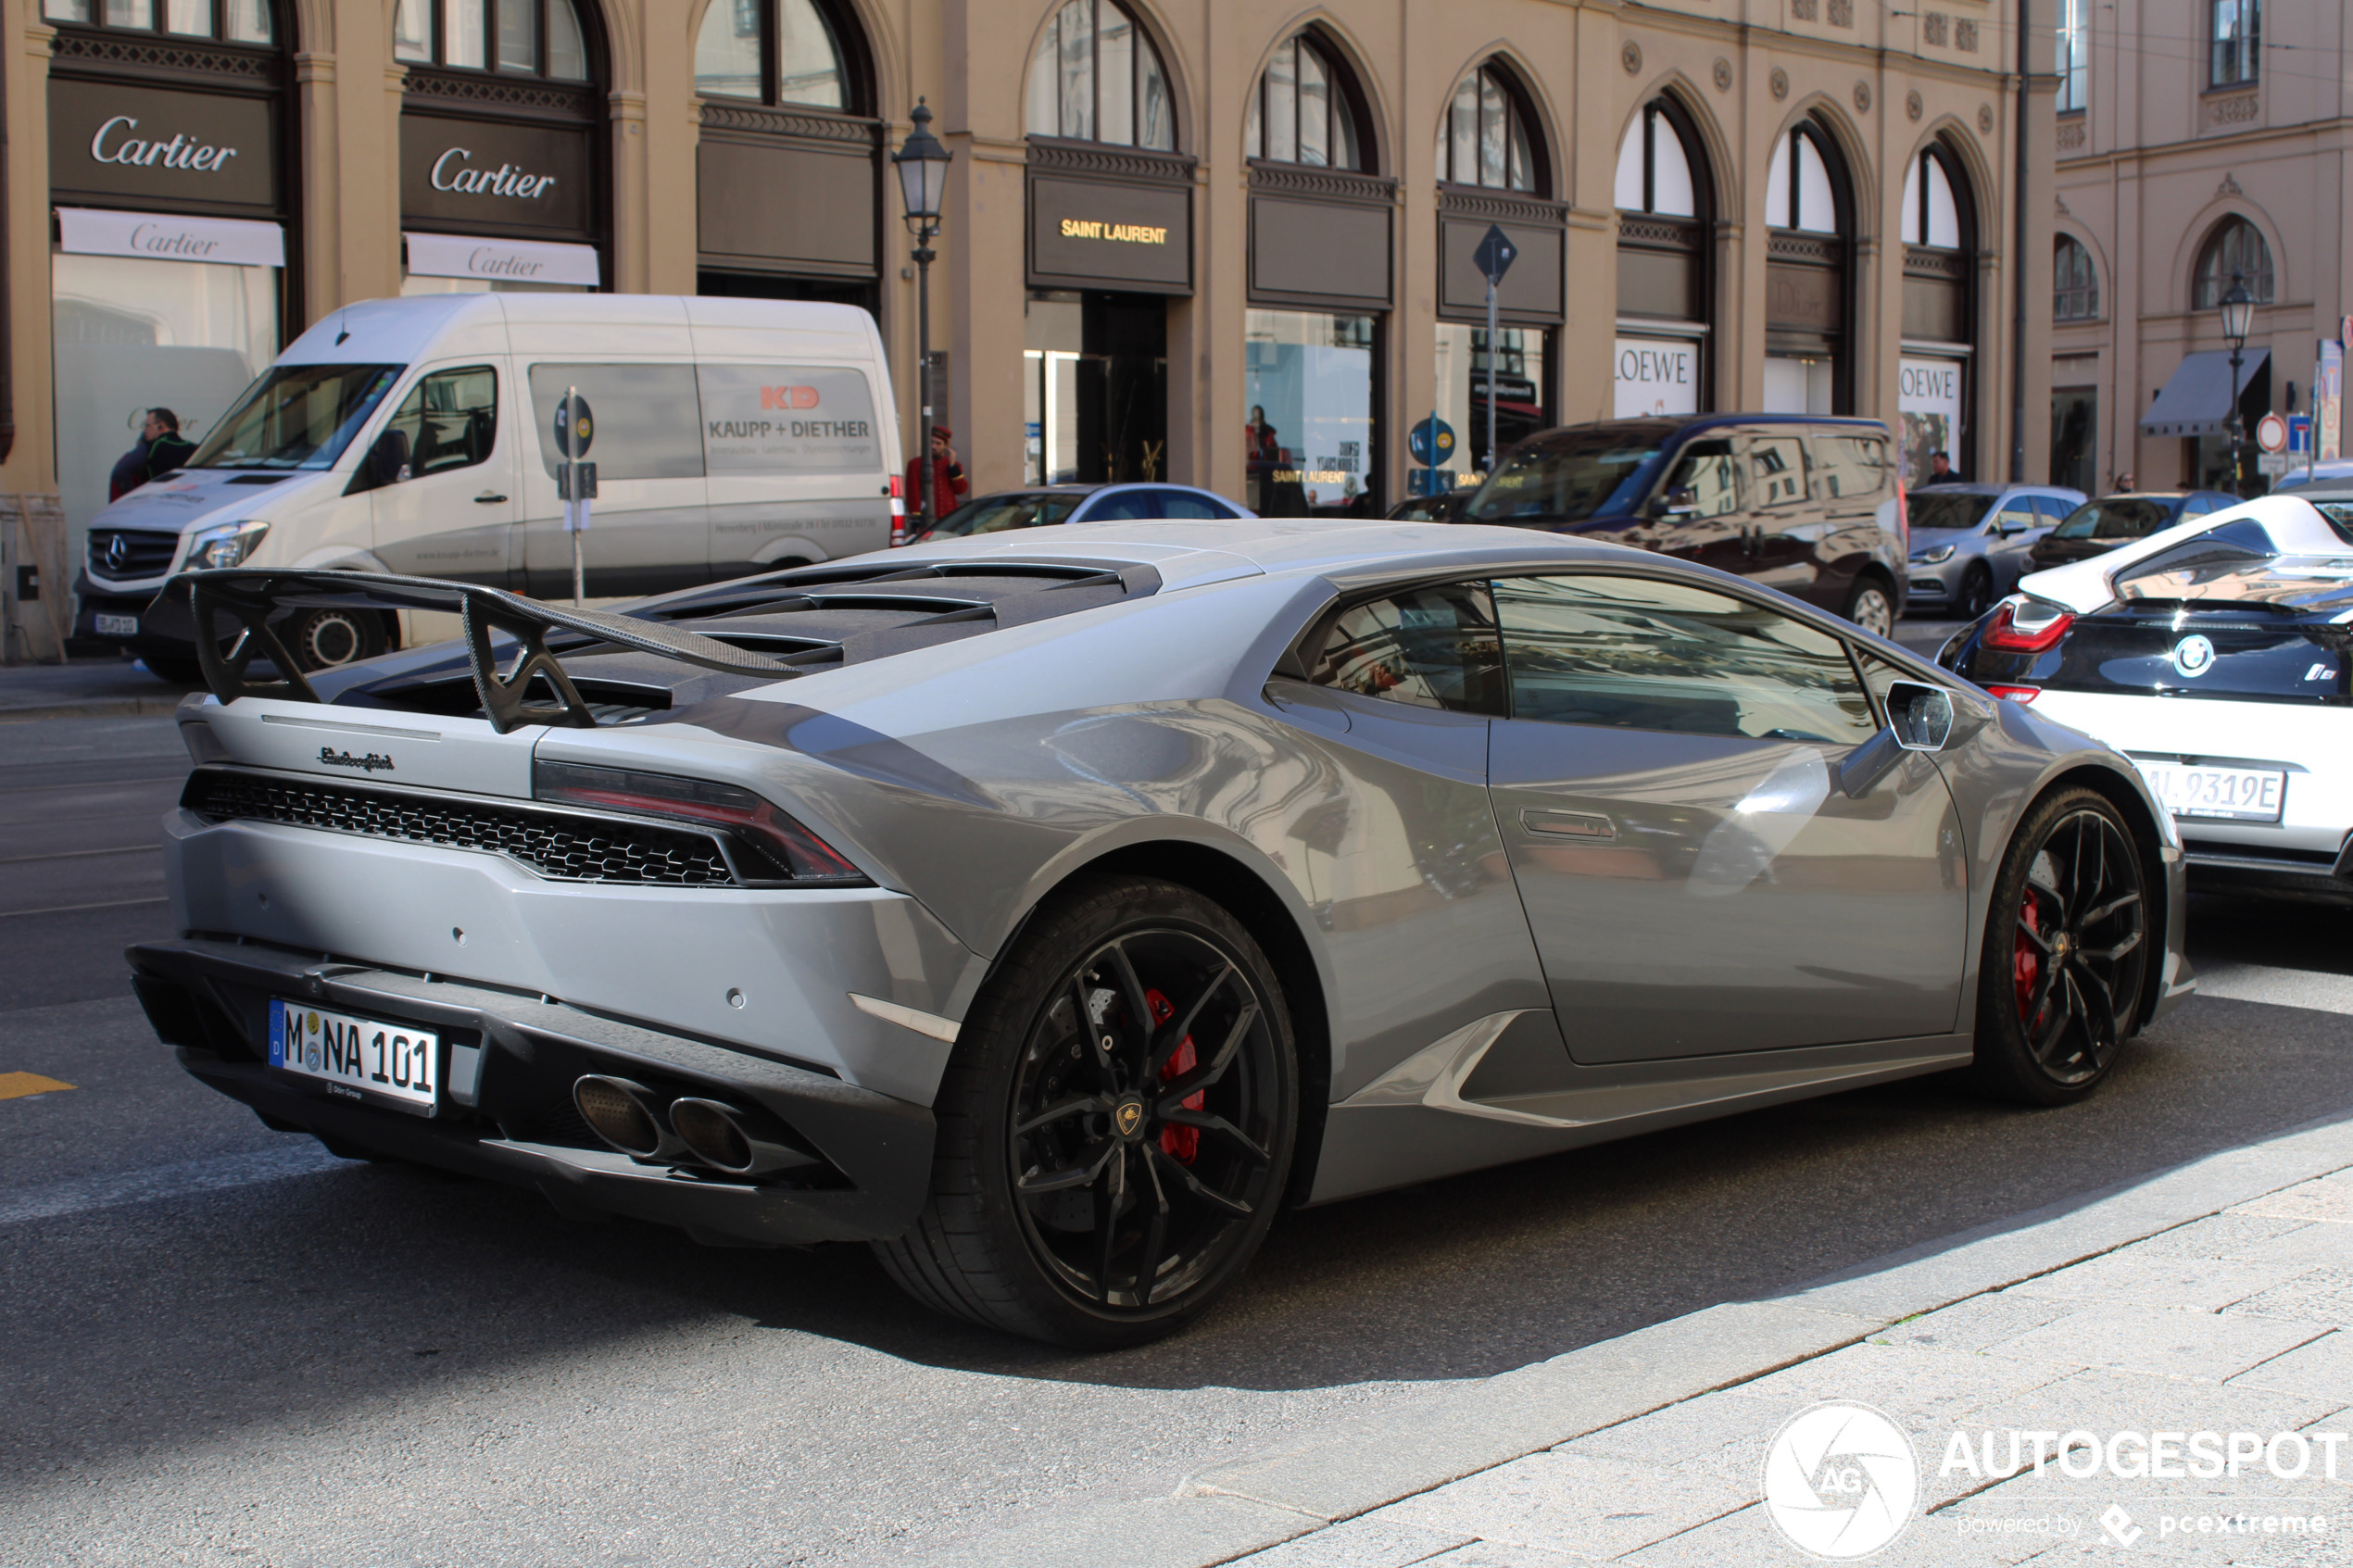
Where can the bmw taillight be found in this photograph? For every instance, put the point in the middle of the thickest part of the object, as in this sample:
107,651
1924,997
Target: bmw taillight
773,847
2017,694
2024,625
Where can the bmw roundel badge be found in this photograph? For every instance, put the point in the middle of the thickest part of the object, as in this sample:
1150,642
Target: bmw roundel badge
2193,656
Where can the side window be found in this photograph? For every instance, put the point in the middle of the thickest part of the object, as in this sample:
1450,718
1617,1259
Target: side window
2054,507
1184,504
1704,467
1776,471
1433,648
649,419
2016,516
1127,506
1850,467
449,419
1632,653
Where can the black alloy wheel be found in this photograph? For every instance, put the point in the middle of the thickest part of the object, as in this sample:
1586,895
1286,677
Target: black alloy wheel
1115,1125
322,639
1976,594
2066,950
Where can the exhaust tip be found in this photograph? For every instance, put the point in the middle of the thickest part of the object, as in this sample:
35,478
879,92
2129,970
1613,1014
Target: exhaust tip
622,1115
732,1140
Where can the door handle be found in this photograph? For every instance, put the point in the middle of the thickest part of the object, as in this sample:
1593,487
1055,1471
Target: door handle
487,499
1586,825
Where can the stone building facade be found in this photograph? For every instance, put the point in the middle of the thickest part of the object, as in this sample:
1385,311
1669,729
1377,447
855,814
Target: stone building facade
1217,241
2195,139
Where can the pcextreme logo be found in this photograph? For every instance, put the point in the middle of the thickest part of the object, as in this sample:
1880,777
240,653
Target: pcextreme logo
1841,1480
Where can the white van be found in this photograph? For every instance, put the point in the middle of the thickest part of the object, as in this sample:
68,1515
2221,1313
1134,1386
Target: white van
417,436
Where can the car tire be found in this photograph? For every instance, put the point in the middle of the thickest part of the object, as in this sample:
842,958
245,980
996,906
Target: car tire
2066,948
1870,606
331,637
1077,1196
177,671
1976,594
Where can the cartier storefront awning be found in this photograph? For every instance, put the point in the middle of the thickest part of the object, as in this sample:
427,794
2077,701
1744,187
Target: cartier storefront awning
2197,400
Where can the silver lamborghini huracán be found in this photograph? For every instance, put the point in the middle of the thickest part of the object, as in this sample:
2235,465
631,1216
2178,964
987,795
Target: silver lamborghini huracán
1048,913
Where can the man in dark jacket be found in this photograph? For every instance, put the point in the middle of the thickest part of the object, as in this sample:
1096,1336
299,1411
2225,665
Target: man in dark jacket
161,450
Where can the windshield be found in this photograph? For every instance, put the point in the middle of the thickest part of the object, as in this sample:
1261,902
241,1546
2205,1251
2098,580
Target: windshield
296,417
994,514
1946,508
2114,518
1569,476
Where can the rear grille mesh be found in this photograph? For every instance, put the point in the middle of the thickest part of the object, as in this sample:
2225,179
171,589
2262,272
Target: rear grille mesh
557,845
144,554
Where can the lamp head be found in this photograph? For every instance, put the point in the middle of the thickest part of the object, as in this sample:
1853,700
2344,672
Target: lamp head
923,172
2238,311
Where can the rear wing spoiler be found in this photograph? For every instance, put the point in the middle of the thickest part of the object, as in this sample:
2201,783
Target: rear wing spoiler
252,600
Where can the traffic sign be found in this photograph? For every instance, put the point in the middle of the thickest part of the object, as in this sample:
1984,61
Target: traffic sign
1431,441
2271,433
1495,254
2273,463
2299,433
575,425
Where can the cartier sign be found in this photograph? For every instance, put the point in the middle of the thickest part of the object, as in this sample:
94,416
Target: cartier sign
161,146
494,177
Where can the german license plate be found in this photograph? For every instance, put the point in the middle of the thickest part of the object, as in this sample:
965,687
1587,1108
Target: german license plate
117,625
2238,795
355,1058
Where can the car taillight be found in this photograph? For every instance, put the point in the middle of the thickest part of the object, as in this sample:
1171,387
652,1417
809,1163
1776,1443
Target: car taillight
780,848
2017,694
2027,626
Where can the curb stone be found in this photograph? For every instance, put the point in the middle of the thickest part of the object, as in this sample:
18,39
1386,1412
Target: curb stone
111,707
1245,1505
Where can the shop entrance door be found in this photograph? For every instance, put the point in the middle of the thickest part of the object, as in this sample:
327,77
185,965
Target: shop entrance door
1097,388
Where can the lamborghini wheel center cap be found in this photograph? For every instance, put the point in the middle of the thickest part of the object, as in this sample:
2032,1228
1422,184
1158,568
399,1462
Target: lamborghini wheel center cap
1128,1117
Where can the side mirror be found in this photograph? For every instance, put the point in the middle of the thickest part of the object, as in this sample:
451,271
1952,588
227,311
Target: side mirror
389,459
1676,500
1920,718
1920,715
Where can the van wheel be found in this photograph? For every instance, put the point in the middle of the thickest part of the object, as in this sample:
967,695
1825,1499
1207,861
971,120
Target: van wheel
322,639
178,671
1869,607
1114,1127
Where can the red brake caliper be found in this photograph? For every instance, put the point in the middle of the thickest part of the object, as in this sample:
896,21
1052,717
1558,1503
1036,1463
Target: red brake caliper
1181,1143
2027,964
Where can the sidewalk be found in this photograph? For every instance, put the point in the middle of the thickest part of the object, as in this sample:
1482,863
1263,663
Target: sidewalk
2213,1300
83,688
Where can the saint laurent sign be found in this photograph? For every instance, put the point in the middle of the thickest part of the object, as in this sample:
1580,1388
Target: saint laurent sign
1096,233
161,147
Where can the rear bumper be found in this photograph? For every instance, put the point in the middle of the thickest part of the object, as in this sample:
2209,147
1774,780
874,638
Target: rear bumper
507,1114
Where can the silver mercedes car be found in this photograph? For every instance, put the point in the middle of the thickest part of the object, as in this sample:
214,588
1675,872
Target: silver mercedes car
1051,911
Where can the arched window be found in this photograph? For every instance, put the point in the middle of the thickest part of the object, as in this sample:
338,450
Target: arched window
1931,217
1799,191
1097,78
514,37
1483,138
2075,287
230,21
775,51
1655,167
2235,249
1305,110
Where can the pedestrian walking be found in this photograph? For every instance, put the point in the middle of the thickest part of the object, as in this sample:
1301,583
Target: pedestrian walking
949,484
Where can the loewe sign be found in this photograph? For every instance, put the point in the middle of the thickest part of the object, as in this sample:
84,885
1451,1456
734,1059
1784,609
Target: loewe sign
161,145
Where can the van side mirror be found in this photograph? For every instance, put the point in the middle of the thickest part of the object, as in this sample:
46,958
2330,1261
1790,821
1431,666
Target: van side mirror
387,461
1920,718
1676,500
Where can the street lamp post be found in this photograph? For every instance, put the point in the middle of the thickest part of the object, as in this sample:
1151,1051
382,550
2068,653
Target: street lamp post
923,182
2238,315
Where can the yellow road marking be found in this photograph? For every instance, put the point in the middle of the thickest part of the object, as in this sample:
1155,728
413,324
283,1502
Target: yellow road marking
16,1085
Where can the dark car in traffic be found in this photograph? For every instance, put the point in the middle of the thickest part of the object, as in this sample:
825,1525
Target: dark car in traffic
2096,527
1808,505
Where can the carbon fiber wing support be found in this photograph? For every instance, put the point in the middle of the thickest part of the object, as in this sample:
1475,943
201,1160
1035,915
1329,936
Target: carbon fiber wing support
253,601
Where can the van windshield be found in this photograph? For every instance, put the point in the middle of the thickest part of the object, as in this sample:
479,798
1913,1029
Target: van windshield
1569,476
296,417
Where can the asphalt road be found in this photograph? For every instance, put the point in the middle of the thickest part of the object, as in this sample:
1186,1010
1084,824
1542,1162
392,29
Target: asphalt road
219,1345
